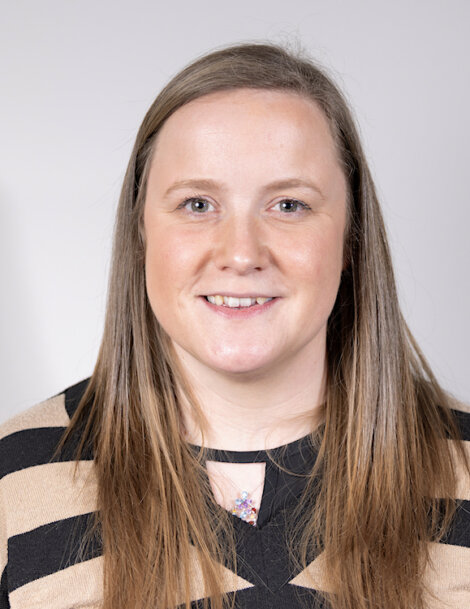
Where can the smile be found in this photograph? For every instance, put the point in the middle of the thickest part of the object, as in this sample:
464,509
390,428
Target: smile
236,303
239,308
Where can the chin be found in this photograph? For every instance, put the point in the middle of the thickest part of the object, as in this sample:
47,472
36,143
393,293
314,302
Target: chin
240,363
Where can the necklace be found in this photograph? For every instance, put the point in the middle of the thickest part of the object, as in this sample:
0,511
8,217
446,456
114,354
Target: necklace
244,505
244,508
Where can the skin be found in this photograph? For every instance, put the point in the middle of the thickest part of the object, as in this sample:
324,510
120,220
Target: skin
259,380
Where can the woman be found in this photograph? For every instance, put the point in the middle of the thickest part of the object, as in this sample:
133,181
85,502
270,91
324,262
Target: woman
260,428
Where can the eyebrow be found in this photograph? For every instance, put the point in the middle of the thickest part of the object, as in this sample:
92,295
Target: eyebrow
203,184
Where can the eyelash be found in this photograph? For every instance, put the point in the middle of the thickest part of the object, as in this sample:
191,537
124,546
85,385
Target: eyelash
190,200
184,203
304,206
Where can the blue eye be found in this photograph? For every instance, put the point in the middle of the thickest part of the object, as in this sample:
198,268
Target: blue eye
195,205
199,206
291,205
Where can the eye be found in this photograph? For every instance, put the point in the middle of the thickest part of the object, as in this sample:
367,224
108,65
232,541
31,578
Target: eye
196,205
290,206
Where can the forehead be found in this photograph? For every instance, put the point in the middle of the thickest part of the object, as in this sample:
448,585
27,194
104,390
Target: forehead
246,129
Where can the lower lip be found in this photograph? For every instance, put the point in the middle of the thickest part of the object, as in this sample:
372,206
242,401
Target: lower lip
242,313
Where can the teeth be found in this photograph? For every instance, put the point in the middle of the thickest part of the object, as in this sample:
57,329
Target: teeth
233,303
261,300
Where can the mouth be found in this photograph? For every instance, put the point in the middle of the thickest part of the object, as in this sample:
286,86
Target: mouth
234,302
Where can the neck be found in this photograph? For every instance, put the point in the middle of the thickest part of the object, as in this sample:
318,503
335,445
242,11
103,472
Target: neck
256,411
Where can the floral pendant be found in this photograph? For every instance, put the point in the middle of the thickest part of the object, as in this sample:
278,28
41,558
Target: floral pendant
244,509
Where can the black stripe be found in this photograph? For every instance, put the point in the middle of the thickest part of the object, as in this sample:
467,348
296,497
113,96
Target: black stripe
31,447
459,532
290,597
4,602
50,548
463,423
28,447
36,446
73,395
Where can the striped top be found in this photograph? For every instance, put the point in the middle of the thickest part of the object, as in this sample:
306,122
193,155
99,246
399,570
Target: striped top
45,509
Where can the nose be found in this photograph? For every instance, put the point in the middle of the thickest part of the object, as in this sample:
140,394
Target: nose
240,245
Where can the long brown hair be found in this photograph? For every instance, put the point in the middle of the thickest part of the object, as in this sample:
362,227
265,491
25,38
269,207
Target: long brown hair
382,459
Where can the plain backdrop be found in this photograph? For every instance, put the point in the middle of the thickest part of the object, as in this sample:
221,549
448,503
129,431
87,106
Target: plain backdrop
76,79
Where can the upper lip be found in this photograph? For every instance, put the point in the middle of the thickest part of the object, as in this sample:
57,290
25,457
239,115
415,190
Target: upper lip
244,295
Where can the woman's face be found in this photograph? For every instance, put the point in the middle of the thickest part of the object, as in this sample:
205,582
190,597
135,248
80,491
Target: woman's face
246,199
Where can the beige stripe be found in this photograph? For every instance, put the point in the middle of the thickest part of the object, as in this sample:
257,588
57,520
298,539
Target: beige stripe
313,576
230,581
3,556
46,493
79,586
50,413
448,577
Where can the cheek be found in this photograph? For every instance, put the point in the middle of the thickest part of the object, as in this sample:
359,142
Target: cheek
319,255
170,262
161,265
316,262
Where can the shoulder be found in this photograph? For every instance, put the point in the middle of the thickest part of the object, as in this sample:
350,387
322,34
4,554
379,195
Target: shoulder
447,575
46,503
31,437
457,404
53,412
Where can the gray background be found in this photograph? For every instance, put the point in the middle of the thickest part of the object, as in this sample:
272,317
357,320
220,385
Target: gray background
76,79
